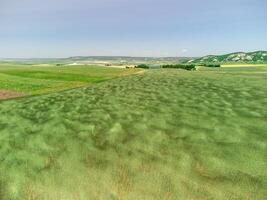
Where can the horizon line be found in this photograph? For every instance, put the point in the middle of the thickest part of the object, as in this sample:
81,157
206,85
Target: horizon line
124,56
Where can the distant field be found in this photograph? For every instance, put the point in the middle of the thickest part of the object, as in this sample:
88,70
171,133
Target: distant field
237,69
32,80
164,134
244,65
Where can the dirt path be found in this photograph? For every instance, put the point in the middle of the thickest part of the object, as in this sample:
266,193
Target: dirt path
6,94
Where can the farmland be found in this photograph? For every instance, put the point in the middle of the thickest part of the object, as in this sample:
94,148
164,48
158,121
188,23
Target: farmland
34,80
161,134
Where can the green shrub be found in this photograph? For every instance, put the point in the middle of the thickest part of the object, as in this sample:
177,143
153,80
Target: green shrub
211,65
180,66
144,66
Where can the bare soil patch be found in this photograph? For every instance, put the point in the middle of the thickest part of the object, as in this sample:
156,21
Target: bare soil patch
7,94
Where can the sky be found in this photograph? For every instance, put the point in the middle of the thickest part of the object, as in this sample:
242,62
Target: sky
63,28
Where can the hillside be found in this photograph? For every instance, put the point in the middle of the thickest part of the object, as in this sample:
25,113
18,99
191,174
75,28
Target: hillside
127,59
237,57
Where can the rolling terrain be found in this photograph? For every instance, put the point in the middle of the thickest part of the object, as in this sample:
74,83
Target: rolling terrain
98,60
24,80
162,134
238,57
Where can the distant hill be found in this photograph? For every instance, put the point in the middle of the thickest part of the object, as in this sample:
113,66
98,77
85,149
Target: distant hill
122,60
128,59
238,57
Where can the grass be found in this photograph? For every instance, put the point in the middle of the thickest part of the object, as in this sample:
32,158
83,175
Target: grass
164,134
244,65
32,80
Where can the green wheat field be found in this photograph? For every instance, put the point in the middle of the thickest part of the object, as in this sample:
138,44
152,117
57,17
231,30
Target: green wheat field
161,134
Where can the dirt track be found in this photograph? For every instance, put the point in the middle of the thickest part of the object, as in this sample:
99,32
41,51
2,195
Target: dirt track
6,94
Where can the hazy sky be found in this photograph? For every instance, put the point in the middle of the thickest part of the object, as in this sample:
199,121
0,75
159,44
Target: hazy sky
61,28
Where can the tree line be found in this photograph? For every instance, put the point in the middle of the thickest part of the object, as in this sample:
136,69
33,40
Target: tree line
188,67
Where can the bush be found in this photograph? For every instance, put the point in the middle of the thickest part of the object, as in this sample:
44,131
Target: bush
144,66
180,66
212,65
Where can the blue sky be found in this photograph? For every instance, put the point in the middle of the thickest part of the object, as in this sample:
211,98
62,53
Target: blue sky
62,28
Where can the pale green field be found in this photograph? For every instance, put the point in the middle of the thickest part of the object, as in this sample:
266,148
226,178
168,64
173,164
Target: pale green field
165,134
244,65
33,80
